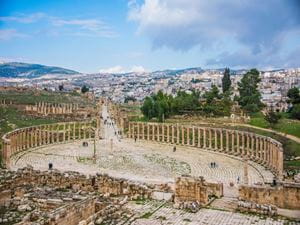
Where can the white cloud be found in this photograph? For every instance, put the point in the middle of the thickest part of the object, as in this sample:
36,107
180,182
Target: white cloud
119,69
86,27
216,25
74,27
7,34
23,18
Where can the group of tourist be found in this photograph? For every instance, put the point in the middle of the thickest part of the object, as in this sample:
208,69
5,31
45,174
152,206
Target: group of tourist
213,165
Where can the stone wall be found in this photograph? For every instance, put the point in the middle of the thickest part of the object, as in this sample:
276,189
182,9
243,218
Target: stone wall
100,183
31,137
264,150
189,190
286,195
71,214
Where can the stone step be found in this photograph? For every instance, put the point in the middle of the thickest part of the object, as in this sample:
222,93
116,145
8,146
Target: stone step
225,203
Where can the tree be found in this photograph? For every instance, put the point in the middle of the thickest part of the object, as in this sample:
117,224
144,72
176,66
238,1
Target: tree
226,82
212,94
61,87
294,98
129,98
272,117
84,89
249,98
295,112
294,95
216,104
147,108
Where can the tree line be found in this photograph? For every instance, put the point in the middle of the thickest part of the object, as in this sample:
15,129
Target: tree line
214,103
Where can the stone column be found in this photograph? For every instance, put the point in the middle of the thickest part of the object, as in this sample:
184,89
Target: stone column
199,137
143,131
271,149
252,147
69,131
221,138
257,149
216,139
280,163
138,131
248,145
148,131
162,132
210,138
243,144
204,139
246,177
129,131
153,132
183,135
227,141
265,151
74,131
178,134
193,136
27,138
232,143
158,131
6,154
168,133
188,136
173,134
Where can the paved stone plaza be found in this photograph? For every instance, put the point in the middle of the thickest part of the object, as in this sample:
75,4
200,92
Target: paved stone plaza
151,214
141,161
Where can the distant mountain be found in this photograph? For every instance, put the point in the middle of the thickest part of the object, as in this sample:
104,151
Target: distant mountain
178,71
25,70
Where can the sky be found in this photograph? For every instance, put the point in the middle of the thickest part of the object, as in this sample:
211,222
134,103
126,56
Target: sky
146,35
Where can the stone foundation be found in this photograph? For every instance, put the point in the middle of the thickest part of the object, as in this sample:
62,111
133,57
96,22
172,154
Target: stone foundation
191,192
286,195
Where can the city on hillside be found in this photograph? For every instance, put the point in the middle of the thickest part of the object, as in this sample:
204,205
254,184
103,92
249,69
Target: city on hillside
149,112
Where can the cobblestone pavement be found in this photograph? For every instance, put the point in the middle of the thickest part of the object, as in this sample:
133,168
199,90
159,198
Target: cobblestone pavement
142,160
151,214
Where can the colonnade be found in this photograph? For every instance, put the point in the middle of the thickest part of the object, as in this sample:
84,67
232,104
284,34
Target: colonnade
31,137
52,108
5,102
261,149
119,116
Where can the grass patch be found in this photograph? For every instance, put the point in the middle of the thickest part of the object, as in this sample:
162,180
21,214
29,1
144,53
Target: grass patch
147,215
284,125
32,97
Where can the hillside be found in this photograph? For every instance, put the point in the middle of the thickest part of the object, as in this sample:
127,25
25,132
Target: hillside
25,70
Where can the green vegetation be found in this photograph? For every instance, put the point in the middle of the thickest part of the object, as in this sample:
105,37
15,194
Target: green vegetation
129,98
12,118
294,98
283,125
226,82
249,98
272,118
84,89
162,106
32,97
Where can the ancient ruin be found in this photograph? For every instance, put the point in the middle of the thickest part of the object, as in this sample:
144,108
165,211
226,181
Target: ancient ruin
161,166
